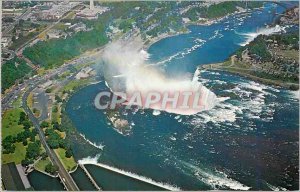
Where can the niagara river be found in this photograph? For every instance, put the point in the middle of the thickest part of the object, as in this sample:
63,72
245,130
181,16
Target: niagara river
247,141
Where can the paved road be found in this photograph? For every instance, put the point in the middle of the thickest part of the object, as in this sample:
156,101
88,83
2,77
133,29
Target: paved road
41,103
11,96
9,28
64,175
19,51
32,84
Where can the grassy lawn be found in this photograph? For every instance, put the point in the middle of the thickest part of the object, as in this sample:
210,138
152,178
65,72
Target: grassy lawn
290,54
56,115
41,71
61,134
60,26
41,164
36,112
71,15
10,126
10,121
69,163
75,84
64,75
30,100
42,36
17,156
18,102
80,66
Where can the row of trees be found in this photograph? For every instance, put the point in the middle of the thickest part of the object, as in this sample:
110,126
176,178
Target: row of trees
8,143
54,140
33,151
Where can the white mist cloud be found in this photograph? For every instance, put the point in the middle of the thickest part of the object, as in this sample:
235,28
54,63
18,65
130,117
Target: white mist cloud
127,69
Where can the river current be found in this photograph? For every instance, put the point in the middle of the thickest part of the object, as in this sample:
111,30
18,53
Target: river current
249,141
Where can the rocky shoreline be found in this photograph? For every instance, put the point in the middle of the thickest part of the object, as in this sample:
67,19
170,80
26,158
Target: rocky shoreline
218,67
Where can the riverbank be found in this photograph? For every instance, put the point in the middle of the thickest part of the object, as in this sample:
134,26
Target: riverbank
200,22
248,73
149,42
207,22
81,147
220,127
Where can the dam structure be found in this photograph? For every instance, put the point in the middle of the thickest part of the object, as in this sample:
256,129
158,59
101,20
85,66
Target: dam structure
134,176
90,177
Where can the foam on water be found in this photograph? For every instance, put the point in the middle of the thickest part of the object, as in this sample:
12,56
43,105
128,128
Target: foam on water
198,43
215,179
274,188
294,94
263,31
98,146
251,105
217,34
89,160
96,82
156,112
218,115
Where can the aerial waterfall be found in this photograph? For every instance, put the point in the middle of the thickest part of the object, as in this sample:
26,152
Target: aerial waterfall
128,70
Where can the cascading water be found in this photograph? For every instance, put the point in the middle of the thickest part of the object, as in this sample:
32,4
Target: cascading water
127,70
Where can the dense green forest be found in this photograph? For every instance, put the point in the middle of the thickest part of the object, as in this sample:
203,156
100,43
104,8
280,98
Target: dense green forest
259,46
12,71
219,10
290,39
55,52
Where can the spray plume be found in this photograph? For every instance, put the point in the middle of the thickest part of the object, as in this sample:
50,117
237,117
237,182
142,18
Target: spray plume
127,69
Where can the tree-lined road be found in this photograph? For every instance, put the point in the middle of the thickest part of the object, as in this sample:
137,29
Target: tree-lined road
63,174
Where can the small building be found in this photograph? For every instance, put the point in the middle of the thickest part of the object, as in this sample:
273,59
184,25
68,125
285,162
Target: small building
5,41
78,27
84,73
91,13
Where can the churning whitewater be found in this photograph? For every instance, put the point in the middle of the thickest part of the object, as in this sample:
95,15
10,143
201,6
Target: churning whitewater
127,70
214,149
